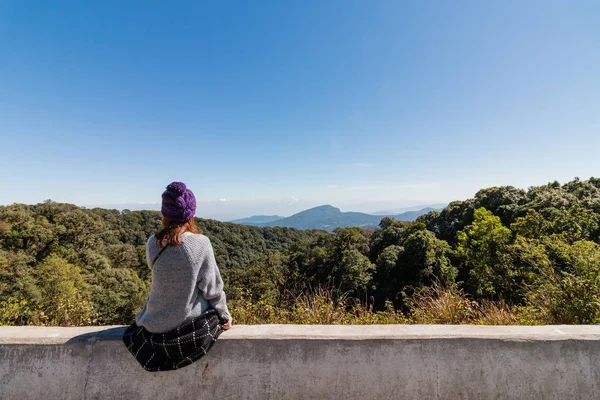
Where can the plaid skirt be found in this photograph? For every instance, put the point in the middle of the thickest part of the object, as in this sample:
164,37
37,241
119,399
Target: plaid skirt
177,348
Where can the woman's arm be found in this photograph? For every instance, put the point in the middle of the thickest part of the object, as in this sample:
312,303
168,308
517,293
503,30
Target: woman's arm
210,282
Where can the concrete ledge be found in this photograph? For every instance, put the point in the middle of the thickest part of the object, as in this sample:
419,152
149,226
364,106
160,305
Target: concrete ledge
312,362
57,335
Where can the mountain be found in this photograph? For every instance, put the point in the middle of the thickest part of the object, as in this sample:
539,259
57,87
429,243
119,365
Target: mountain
328,218
257,219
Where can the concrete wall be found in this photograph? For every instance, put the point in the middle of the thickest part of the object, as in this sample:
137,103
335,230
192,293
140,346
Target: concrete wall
312,362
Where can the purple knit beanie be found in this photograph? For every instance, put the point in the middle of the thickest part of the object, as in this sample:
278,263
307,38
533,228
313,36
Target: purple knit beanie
178,203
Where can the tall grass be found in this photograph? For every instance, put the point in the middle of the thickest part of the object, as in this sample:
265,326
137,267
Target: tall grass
319,307
437,304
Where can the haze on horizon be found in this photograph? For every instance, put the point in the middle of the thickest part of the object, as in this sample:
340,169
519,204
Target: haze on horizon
366,106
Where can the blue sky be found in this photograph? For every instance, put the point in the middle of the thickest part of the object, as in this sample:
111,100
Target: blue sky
359,104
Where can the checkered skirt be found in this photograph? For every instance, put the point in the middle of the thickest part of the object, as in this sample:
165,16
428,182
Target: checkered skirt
177,348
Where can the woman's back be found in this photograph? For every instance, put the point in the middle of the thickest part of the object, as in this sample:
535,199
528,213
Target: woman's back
185,283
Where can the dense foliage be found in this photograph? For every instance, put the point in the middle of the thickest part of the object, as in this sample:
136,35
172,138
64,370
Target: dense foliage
506,256
64,265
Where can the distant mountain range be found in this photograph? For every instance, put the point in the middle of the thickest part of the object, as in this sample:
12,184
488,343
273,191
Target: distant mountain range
328,218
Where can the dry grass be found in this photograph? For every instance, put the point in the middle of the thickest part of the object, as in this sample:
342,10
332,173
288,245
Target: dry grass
320,307
436,304
440,305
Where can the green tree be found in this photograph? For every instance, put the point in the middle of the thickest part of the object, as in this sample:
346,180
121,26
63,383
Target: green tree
506,202
261,281
572,224
65,296
117,294
484,247
568,292
425,260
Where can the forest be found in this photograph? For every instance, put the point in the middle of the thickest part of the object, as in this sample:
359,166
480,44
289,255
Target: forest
505,256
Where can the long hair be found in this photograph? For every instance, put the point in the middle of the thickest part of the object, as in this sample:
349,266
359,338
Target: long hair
170,234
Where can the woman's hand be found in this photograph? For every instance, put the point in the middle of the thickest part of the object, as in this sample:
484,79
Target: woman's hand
227,325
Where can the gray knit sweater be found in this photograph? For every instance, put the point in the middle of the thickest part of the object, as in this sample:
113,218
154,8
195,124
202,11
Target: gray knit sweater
185,283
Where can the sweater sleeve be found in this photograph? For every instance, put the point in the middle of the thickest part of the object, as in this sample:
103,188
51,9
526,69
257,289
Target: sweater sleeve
148,243
210,283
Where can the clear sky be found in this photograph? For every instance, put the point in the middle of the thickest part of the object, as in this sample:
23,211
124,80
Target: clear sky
258,103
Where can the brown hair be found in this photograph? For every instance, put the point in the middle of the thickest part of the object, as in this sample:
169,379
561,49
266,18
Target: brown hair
170,234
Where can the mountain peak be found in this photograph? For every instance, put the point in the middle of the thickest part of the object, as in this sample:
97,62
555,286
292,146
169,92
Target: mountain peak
324,208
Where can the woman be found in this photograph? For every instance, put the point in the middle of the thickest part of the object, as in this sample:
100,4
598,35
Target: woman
186,310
